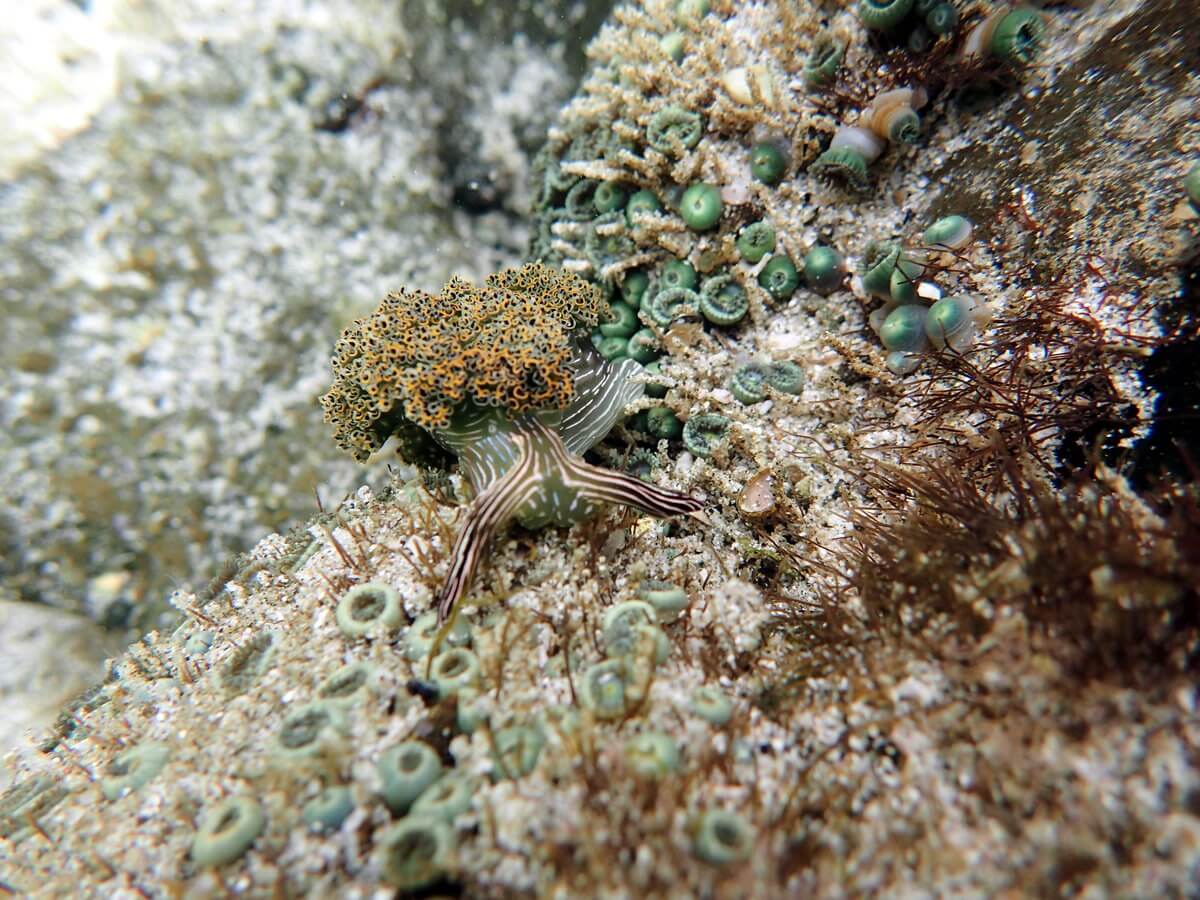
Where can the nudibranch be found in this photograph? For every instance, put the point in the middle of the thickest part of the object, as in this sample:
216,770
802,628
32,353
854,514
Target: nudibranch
503,377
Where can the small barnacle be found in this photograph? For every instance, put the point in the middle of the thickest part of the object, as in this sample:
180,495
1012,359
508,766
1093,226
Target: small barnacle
779,277
515,751
746,84
768,162
669,304
227,830
892,115
702,433
454,670
903,333
700,206
406,771
447,799
711,705
677,274
329,809
668,600
652,754
954,321
757,498
723,837
822,64
723,300
756,240
415,852
133,768
1012,35
883,15
673,129
421,634
823,269
369,609
852,149
503,377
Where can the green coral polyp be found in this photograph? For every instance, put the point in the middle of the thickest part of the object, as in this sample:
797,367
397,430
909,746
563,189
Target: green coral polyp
419,638
641,203
624,321
227,831
669,304
673,130
369,609
700,206
767,162
883,15
329,809
843,164
405,772
131,769
821,67
755,241
652,755
779,277
723,838
749,384
711,705
609,197
723,301
879,261
447,799
415,853
516,751
454,670
677,274
703,433
1017,38
823,269
308,730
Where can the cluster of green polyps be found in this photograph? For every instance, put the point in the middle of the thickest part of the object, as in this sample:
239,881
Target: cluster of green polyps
901,277
504,378
919,22
890,117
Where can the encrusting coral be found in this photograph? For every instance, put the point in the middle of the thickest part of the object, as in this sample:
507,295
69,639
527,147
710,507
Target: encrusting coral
500,377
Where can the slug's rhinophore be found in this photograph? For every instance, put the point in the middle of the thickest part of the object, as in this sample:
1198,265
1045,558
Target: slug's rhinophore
504,378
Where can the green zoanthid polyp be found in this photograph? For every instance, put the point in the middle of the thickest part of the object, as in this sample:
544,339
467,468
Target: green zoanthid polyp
505,378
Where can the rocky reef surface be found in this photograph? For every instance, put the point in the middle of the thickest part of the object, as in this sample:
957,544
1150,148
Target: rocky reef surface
934,632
